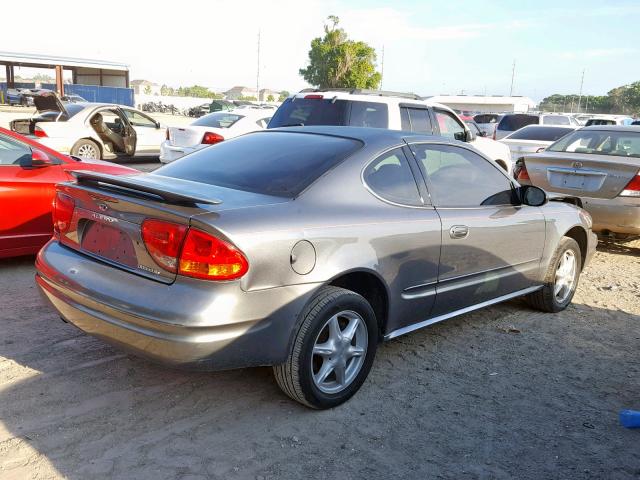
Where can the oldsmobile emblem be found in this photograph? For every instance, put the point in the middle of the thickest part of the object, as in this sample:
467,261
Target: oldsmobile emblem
103,207
577,164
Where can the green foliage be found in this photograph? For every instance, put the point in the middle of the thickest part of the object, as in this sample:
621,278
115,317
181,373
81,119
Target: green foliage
624,100
271,98
194,91
249,98
337,62
147,90
283,96
43,78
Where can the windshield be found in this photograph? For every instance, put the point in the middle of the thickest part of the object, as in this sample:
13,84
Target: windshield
600,142
271,163
555,120
486,118
512,123
543,134
217,120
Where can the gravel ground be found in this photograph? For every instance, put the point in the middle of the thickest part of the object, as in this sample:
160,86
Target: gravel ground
503,393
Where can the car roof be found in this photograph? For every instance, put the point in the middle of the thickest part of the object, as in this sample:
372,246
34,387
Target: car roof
614,128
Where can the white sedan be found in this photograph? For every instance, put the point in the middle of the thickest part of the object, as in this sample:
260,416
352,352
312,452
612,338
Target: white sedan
534,138
211,129
91,130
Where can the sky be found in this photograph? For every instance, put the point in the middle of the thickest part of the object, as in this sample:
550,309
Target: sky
430,47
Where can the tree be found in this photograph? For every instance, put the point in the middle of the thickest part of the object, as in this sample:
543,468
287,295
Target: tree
147,90
283,96
271,98
249,98
337,62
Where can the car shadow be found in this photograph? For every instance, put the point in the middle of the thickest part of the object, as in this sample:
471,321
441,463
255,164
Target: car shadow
630,248
476,393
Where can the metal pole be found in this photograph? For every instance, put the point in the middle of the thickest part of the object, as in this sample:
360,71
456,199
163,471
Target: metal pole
580,95
513,74
382,68
258,71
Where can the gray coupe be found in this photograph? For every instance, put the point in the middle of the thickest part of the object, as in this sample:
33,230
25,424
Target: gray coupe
302,248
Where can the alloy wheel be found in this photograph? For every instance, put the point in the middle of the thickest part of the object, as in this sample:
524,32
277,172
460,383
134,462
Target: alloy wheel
565,276
87,151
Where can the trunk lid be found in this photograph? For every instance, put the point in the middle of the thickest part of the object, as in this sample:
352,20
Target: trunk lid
190,136
49,102
586,175
520,148
109,211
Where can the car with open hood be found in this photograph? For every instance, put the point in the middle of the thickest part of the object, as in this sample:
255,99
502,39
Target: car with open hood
91,130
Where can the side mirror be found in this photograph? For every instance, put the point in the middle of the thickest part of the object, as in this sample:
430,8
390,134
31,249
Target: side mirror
469,136
532,196
38,159
157,124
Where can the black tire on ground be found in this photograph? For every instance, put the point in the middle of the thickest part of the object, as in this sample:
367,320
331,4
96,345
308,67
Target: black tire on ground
545,299
295,376
82,147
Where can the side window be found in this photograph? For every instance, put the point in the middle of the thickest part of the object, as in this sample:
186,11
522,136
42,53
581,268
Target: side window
138,120
13,151
390,177
415,120
369,114
460,178
449,126
263,122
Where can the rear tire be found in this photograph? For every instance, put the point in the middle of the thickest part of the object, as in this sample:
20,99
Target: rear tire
561,279
86,148
333,349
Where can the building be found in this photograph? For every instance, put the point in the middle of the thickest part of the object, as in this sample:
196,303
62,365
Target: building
265,93
140,87
236,92
486,103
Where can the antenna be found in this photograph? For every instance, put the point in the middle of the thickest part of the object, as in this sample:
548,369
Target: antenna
258,70
382,69
513,75
580,96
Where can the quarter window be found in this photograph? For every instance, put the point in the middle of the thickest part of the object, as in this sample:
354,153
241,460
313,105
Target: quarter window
449,126
369,114
390,177
460,178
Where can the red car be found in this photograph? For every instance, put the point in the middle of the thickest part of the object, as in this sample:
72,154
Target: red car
28,174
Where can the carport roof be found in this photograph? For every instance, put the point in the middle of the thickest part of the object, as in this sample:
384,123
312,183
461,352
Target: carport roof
50,61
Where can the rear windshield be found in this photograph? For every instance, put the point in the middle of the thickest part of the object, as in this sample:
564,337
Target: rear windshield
315,111
599,142
544,134
217,120
512,123
600,121
486,118
555,120
271,163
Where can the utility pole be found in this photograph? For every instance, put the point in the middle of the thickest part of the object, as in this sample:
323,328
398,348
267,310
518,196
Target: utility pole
258,70
587,109
513,74
382,68
580,95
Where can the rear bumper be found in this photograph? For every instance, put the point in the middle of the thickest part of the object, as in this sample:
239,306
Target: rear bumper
169,153
191,324
617,215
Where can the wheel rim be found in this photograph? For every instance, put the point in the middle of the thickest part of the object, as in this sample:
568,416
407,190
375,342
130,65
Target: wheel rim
339,352
87,151
565,276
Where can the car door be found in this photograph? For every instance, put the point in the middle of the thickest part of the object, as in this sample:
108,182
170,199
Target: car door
491,244
149,135
26,194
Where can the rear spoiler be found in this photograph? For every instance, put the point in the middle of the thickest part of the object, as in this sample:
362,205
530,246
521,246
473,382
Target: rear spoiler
140,184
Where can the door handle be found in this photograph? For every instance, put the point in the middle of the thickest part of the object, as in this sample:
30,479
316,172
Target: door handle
459,231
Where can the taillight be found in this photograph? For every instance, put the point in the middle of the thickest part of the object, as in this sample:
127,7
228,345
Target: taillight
207,257
633,188
494,134
38,132
313,97
166,135
163,241
63,207
210,138
522,173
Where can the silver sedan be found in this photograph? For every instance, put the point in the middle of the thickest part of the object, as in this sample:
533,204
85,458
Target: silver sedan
303,248
600,165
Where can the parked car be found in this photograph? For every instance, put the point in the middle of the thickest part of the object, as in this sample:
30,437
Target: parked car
28,174
73,98
23,96
220,105
379,109
475,128
600,165
609,120
92,130
211,129
487,122
512,122
302,248
533,138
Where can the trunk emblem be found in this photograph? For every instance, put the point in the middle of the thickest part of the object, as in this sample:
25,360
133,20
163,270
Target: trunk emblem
577,165
103,207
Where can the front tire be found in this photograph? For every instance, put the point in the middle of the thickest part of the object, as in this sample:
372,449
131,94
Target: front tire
333,349
561,279
87,149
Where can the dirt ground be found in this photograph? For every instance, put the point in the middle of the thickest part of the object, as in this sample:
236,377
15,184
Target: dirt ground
503,393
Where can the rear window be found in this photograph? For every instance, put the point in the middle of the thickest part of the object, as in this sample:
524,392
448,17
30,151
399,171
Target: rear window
312,111
555,120
600,121
599,142
544,134
271,163
486,118
512,123
217,120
